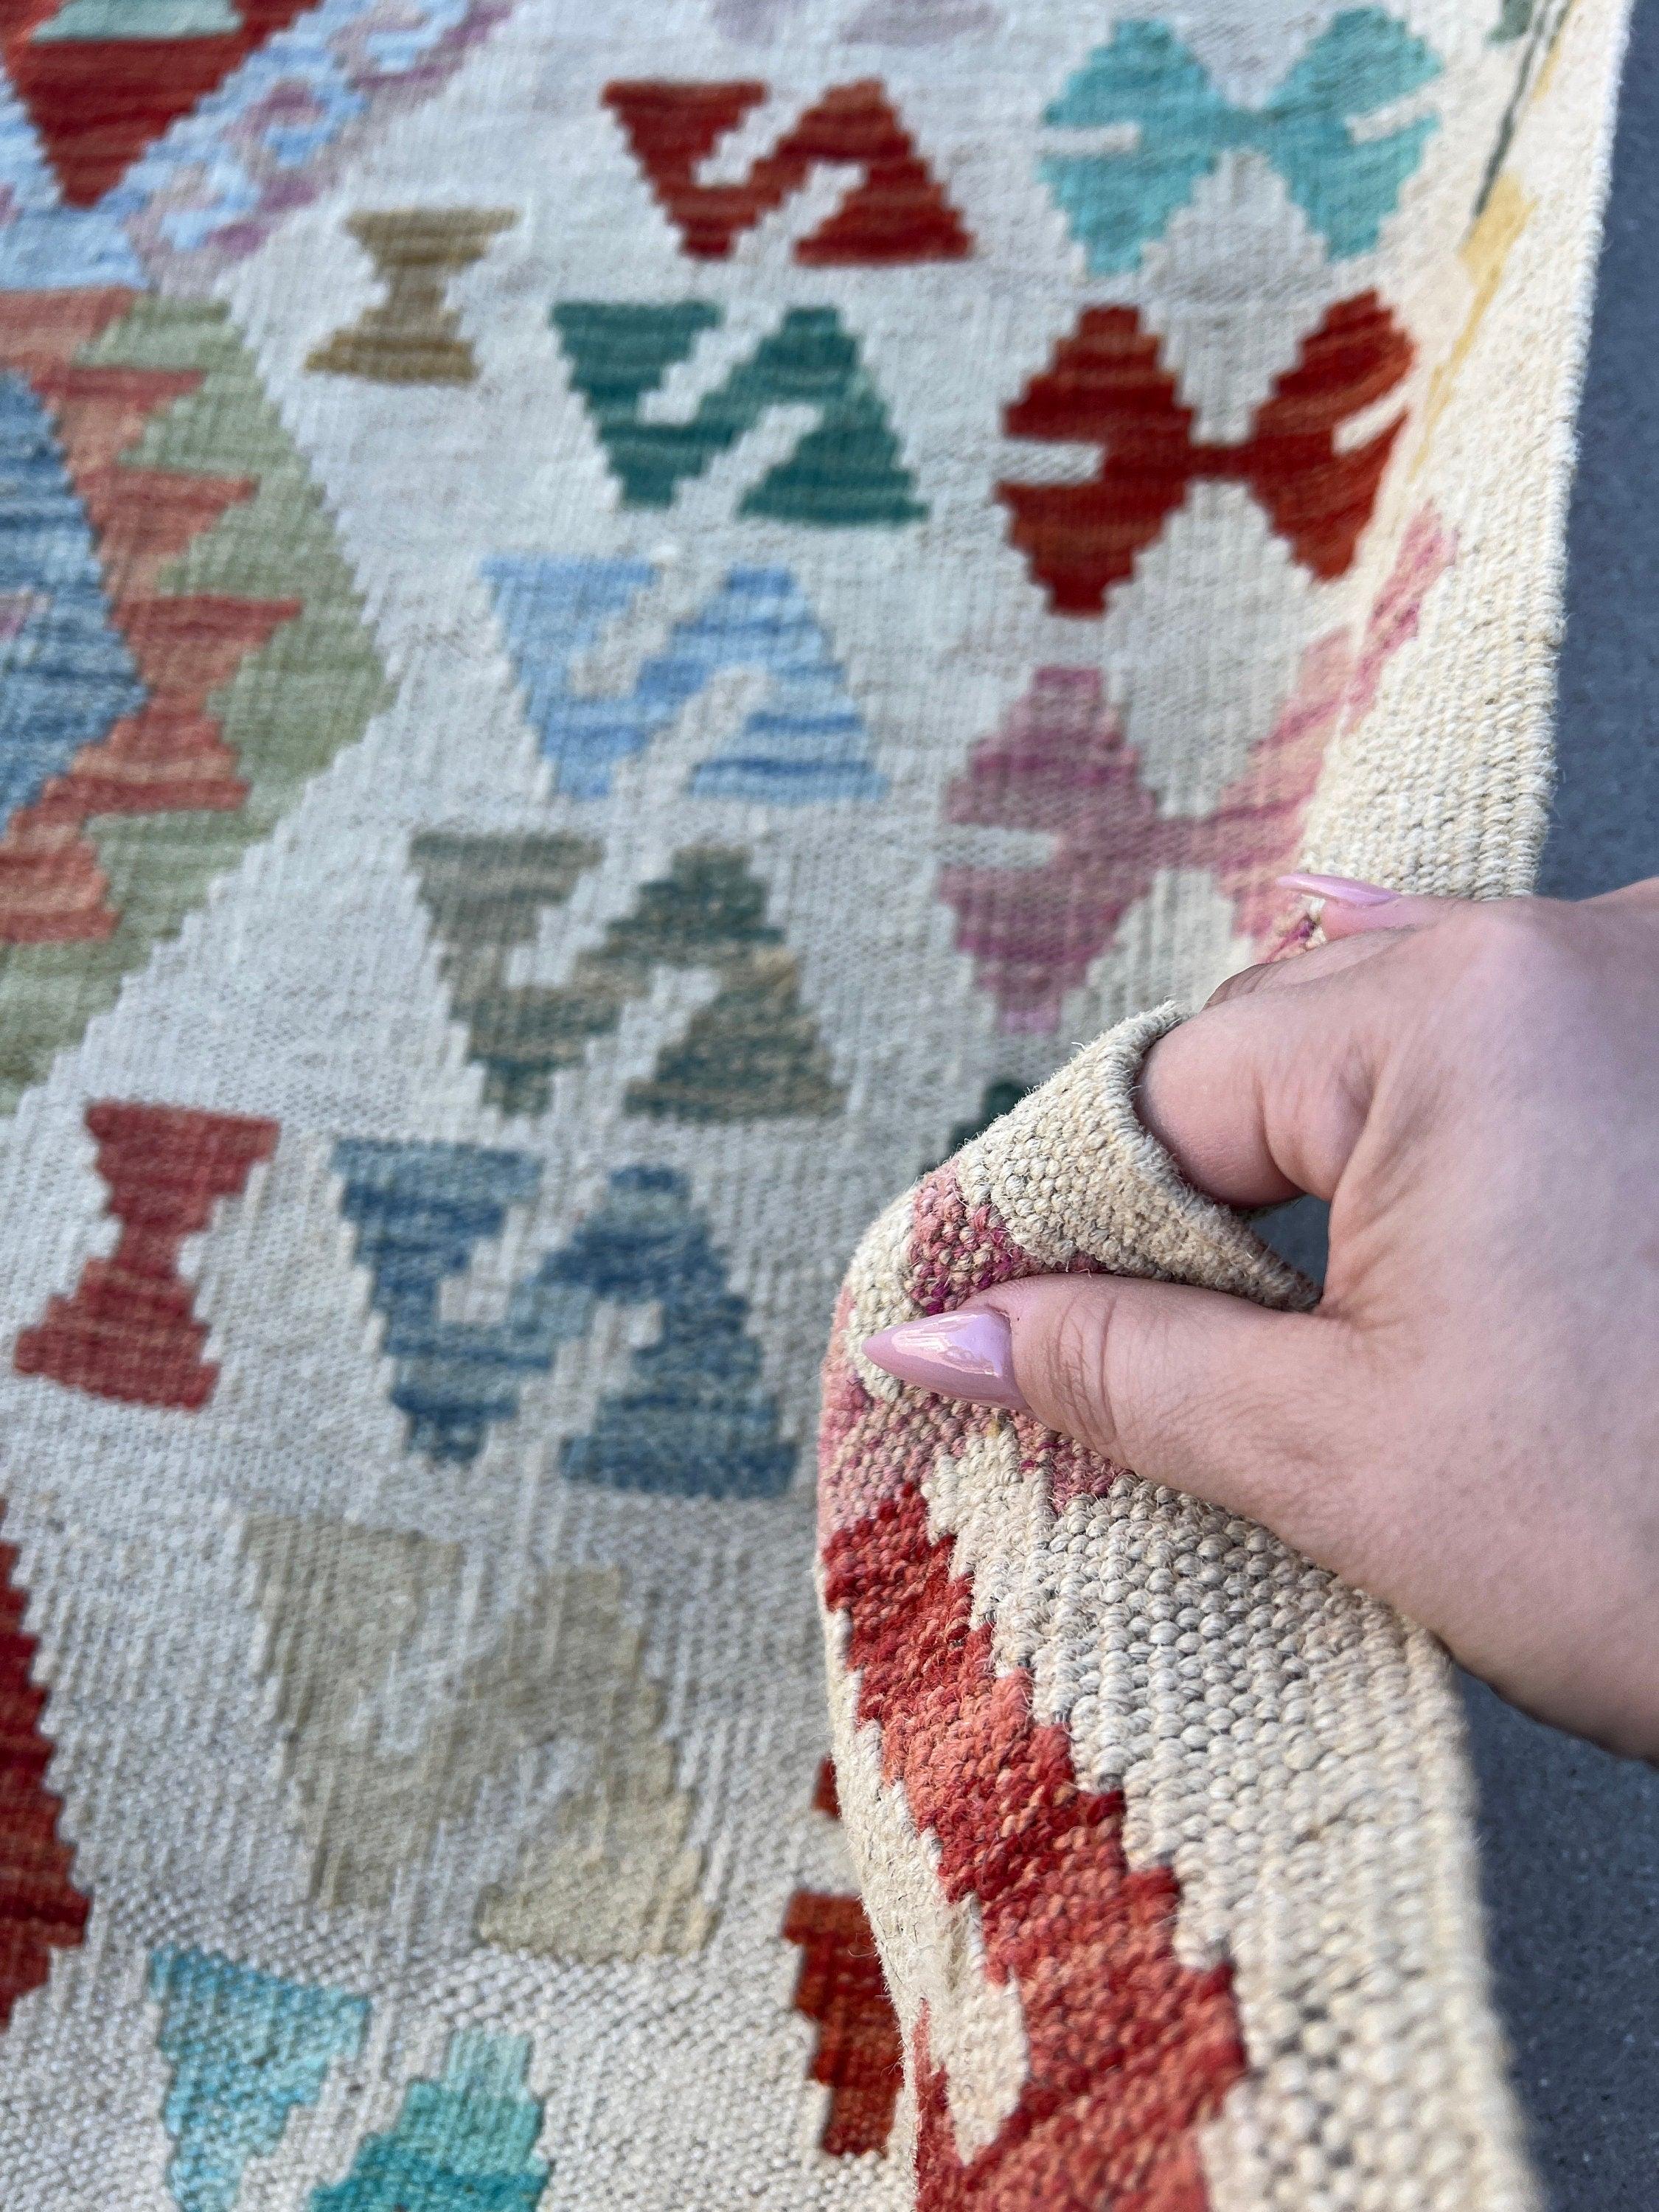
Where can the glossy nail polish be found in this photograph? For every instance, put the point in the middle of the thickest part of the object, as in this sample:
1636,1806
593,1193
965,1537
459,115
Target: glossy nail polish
962,1355
1346,891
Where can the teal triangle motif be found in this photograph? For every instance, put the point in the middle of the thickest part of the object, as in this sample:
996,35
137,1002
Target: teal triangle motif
245,2048
845,473
464,2143
1317,127
140,19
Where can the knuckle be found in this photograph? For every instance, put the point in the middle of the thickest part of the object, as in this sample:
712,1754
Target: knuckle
1509,953
1075,1378
1329,1478
1242,985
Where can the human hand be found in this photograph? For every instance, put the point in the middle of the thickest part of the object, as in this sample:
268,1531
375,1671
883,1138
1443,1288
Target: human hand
1469,1424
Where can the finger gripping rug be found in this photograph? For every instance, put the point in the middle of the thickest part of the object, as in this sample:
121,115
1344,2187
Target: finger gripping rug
620,630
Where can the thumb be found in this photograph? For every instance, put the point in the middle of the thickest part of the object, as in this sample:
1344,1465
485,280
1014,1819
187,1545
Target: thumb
1193,1389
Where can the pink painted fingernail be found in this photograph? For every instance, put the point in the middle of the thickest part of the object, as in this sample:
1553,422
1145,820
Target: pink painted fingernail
1345,889
963,1355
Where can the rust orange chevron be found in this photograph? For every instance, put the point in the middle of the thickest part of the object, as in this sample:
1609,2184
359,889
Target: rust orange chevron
897,212
858,2056
182,642
40,1908
1128,2052
172,753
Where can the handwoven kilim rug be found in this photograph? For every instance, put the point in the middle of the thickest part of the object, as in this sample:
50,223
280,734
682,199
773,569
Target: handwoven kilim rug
619,626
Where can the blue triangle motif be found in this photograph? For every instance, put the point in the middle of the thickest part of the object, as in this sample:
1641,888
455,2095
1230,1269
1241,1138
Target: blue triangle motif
805,741
695,1419
65,671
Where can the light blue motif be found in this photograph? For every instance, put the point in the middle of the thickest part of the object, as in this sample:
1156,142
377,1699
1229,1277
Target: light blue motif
66,673
45,245
804,741
1346,185
551,610
245,2048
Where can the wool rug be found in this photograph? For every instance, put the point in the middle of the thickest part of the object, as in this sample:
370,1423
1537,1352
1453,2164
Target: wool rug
619,631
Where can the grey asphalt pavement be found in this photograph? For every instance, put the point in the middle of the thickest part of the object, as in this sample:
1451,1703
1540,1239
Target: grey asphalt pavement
1569,1837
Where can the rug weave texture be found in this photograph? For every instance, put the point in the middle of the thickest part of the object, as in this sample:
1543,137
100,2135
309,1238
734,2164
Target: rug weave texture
619,630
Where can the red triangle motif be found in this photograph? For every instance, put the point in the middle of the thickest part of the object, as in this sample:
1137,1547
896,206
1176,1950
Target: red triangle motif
40,1906
898,211
129,1329
861,2053
171,756
98,103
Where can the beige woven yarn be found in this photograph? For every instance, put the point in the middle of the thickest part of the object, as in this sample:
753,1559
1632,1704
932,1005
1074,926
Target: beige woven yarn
1165,1834
618,625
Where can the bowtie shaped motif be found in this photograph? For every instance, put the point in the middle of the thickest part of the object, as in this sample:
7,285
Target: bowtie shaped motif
1105,385
1346,185
130,1329
1061,765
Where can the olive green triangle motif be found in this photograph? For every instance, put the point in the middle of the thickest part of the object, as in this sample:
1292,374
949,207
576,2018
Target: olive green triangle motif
754,1052
291,705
